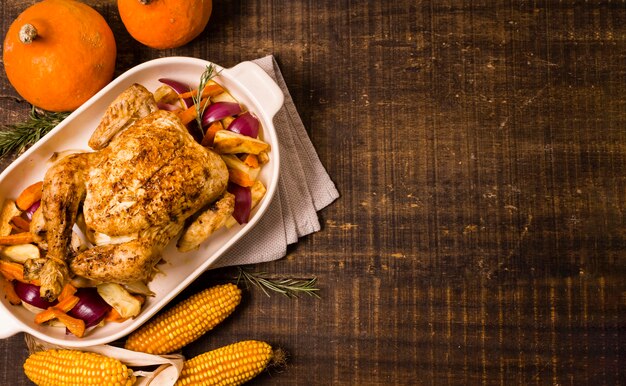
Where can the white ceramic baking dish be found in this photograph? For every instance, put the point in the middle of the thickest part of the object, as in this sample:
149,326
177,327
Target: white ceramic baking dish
248,83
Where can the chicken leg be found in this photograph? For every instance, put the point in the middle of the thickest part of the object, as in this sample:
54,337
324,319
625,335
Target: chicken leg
63,191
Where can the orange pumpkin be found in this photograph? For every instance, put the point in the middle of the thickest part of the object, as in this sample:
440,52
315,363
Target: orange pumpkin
164,24
59,53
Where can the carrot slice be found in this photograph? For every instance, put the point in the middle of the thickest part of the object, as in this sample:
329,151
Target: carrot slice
209,136
29,196
18,238
76,326
20,224
9,291
240,178
67,291
209,91
190,113
114,316
251,160
11,270
64,306
14,271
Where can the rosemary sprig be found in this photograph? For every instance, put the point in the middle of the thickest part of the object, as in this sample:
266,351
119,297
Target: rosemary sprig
208,74
16,137
285,286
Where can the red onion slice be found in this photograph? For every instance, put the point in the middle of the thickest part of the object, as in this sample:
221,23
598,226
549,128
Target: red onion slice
179,87
91,308
219,110
243,202
29,293
245,124
33,208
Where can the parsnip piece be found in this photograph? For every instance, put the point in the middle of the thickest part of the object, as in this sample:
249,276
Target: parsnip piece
21,252
120,299
233,162
263,158
224,97
139,287
227,121
228,142
166,94
9,210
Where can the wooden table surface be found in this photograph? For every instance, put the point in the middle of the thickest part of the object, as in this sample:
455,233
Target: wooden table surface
480,151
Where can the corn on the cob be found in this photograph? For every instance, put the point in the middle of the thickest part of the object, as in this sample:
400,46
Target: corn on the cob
73,367
186,321
234,364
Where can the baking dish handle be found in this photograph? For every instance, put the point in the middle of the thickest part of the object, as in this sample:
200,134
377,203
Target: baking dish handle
8,327
266,92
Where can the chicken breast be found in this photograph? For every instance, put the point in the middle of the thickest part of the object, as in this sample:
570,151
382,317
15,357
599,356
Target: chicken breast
151,174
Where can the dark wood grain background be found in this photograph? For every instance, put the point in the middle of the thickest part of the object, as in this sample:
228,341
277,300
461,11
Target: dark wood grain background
480,151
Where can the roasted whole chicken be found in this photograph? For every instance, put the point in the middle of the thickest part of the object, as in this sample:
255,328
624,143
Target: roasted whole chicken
140,188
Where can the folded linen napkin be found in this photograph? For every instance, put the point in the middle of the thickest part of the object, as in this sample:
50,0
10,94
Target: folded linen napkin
304,187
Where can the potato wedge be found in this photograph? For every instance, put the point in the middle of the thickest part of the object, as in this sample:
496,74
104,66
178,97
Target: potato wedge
9,210
263,158
21,252
233,162
227,121
119,298
227,142
166,94
223,97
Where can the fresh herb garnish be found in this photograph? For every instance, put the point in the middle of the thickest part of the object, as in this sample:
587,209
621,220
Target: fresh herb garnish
17,137
208,74
285,286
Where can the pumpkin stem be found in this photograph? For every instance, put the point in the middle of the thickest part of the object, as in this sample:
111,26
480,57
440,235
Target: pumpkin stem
145,2
28,33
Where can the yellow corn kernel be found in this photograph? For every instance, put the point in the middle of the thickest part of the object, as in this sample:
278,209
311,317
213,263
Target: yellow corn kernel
186,321
234,364
76,368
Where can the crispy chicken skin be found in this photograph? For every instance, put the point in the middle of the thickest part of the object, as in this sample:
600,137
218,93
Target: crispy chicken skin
146,178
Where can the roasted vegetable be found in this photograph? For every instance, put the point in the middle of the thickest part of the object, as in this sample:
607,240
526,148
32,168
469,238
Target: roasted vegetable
21,252
115,295
228,142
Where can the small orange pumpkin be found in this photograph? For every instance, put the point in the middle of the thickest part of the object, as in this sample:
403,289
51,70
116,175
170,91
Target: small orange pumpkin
164,24
59,53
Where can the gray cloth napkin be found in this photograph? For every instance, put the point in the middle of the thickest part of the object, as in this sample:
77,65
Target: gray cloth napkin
304,187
